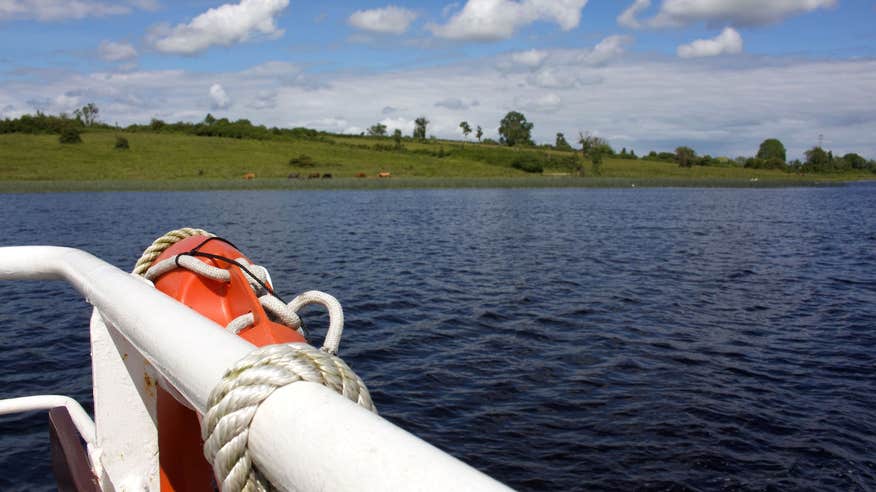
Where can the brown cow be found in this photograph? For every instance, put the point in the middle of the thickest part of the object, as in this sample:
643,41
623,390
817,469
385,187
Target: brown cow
249,176
313,175
384,175
327,176
361,175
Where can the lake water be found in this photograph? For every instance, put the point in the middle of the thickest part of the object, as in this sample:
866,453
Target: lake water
720,339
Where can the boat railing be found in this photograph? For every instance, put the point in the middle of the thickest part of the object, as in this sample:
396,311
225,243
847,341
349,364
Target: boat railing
303,436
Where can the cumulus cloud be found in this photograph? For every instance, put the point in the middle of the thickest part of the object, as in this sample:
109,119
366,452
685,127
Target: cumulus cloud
606,50
386,20
729,42
219,97
676,13
628,16
224,25
112,51
492,20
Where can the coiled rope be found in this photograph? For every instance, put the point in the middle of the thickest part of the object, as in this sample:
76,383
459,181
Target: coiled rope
235,399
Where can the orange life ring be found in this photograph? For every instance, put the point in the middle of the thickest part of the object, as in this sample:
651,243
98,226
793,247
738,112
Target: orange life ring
182,463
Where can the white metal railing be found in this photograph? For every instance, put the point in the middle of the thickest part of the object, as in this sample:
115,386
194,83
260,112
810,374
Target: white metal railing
303,437
80,417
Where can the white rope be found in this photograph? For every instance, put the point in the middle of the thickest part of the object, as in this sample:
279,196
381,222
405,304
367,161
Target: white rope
162,243
240,323
234,401
189,263
336,316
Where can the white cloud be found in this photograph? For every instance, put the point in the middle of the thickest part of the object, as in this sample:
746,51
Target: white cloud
491,20
455,103
264,100
392,124
61,10
675,13
729,42
530,58
628,16
563,77
606,50
112,51
224,25
716,107
219,97
544,103
67,101
386,20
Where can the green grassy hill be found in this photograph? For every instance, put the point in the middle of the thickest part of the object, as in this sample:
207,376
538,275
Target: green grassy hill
164,159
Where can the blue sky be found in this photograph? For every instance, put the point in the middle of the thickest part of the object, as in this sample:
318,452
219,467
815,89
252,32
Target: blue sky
718,75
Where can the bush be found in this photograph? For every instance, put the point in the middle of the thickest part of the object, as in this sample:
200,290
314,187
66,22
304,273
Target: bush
303,160
596,163
122,143
528,164
70,136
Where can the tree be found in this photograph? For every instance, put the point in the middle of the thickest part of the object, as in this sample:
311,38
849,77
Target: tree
479,133
685,156
209,119
770,149
377,130
515,130
855,161
592,143
87,114
397,138
466,129
817,160
561,143
420,125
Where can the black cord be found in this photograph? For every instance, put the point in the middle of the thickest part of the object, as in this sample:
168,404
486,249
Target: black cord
195,253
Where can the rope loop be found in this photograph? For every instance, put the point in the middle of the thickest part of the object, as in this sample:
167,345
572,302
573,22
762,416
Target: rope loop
162,243
236,398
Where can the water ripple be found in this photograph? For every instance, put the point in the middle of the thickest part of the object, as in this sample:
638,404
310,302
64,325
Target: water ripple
556,339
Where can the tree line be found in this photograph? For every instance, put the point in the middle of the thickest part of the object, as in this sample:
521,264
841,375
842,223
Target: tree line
514,131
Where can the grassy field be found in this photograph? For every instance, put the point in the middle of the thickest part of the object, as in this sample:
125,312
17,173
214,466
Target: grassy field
173,161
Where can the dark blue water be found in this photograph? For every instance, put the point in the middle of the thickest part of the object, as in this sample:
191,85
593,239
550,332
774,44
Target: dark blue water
556,339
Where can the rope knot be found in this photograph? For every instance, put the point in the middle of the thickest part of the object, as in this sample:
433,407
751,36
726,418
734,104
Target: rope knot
236,398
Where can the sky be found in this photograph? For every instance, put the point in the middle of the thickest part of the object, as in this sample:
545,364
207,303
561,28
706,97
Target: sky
716,75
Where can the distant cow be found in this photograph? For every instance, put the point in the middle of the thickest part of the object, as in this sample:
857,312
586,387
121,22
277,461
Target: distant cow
327,176
249,176
313,176
361,175
384,175
294,176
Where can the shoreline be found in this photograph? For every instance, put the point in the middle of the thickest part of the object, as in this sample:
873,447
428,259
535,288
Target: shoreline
24,186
